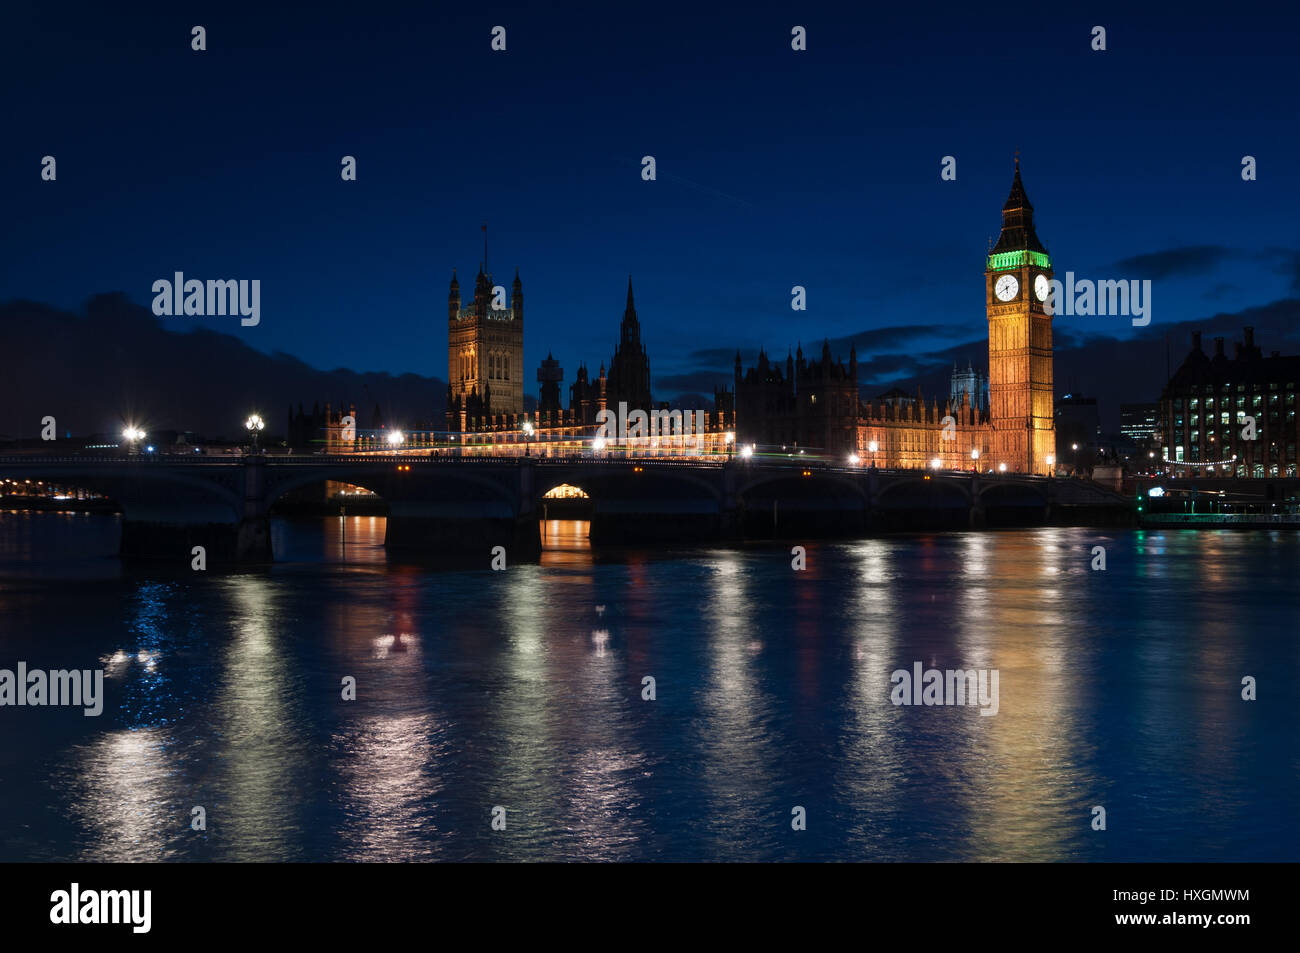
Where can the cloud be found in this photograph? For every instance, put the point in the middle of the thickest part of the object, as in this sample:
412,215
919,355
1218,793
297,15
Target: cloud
1221,291
701,381
867,342
1198,260
1186,260
1287,262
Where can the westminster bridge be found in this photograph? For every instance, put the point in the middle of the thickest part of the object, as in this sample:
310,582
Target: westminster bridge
456,506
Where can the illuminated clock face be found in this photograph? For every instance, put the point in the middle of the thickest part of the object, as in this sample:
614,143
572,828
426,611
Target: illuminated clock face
1041,287
1006,288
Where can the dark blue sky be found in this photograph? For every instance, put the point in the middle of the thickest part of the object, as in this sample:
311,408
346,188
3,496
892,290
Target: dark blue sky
776,168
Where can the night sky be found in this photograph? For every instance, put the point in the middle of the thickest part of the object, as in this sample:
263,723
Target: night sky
775,168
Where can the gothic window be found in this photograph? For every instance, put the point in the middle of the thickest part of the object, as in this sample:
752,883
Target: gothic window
507,367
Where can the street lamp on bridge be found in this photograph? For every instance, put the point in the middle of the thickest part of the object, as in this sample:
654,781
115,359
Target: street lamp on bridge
254,425
132,435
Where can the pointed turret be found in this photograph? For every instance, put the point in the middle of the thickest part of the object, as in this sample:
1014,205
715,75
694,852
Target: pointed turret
1018,221
630,330
482,293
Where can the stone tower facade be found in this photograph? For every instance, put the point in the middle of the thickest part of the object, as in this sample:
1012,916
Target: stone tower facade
485,348
1017,283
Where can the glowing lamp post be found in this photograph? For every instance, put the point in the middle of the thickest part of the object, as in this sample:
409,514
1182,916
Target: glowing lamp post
872,447
975,460
396,438
254,425
527,428
854,459
132,435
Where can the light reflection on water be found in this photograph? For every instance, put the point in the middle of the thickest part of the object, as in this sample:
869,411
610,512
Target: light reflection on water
523,689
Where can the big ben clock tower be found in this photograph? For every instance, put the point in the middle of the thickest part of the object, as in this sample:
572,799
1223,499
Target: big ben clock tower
1017,281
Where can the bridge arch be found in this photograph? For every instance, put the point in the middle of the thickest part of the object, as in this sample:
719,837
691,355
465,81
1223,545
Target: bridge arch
1013,493
395,485
634,479
920,491
138,487
844,484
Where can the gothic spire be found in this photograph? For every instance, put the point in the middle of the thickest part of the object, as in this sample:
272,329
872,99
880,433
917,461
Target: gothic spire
1018,220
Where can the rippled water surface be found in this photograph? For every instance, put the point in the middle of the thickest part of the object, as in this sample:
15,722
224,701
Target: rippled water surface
523,689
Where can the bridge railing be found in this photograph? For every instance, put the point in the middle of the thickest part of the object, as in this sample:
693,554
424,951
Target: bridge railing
484,460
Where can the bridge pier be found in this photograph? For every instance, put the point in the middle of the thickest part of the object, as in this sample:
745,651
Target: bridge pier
445,534
614,525
223,542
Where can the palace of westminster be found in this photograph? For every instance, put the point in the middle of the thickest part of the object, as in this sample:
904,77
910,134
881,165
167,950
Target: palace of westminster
802,403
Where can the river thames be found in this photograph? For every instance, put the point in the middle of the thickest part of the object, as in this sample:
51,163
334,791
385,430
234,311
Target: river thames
525,690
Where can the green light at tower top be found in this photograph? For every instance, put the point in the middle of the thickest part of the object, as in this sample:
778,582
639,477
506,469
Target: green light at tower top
1007,260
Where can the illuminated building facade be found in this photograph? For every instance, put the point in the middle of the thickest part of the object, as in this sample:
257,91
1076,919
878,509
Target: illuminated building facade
1004,422
1140,422
485,349
477,428
1212,405
1016,285
972,382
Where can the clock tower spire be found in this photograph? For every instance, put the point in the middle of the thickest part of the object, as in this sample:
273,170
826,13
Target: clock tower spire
1018,274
